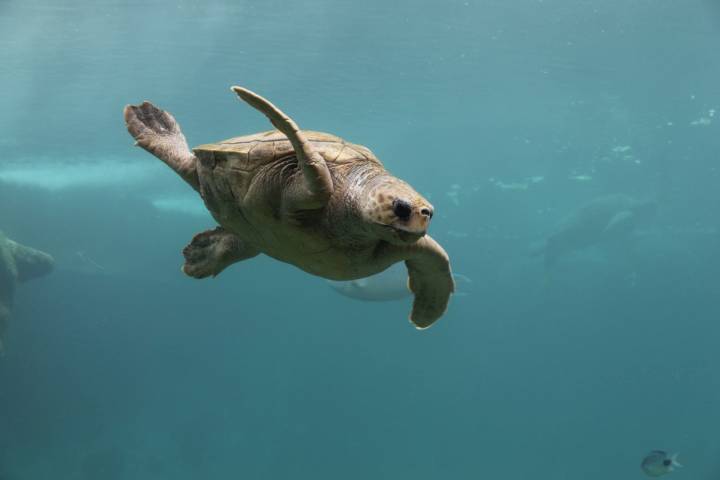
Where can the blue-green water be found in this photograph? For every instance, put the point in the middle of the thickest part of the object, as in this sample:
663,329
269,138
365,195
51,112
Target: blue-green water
508,115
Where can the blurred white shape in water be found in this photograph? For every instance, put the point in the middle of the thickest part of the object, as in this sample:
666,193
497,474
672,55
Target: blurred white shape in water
391,284
49,175
520,185
510,186
454,194
701,122
185,204
705,120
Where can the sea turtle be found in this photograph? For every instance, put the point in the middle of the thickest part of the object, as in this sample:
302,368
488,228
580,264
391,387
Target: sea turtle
604,218
306,198
18,264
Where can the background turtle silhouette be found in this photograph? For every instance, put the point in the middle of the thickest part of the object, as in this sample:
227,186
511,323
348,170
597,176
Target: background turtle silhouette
608,217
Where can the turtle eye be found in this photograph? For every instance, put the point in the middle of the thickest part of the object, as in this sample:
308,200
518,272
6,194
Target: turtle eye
402,209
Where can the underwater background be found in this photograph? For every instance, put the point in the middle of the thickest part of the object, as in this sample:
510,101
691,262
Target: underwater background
508,115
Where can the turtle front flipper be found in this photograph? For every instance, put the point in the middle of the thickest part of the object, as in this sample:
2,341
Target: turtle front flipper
157,132
212,251
318,184
431,281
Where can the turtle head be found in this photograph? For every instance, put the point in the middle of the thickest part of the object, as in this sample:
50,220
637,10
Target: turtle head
395,211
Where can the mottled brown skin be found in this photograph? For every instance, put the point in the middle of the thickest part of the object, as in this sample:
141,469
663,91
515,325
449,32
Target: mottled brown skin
307,198
18,264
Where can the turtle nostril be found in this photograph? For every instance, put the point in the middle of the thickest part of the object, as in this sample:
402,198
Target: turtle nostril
426,212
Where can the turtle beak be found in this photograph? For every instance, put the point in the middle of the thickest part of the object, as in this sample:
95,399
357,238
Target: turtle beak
400,235
408,235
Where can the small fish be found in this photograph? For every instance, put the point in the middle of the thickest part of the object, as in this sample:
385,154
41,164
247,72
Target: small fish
658,463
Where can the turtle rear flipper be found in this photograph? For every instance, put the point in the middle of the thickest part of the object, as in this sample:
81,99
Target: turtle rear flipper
157,132
212,251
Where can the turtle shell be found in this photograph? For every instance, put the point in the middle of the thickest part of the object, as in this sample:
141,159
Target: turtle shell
227,168
250,152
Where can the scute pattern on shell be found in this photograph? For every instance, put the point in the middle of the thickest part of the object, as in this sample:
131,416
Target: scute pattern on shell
228,168
249,152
